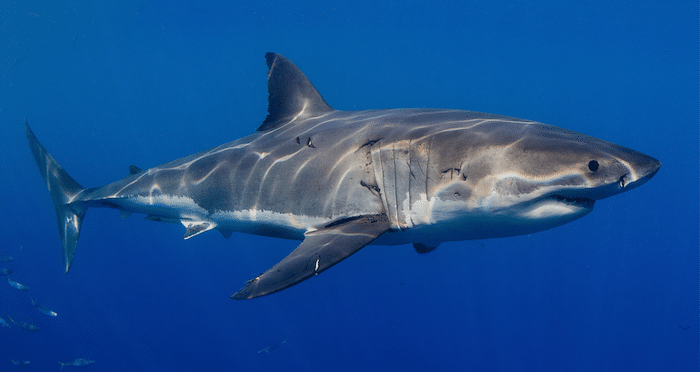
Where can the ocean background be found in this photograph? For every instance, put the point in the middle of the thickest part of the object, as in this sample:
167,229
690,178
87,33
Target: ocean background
108,84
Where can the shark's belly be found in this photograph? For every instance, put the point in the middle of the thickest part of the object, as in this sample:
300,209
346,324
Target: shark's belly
474,226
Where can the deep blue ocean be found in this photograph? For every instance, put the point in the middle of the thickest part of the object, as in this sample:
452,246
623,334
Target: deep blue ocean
108,85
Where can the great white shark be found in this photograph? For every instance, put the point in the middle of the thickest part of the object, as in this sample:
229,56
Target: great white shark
340,180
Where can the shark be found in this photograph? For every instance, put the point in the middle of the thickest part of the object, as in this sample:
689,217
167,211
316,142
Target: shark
341,180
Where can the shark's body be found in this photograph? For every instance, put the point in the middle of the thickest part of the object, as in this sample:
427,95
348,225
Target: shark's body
340,180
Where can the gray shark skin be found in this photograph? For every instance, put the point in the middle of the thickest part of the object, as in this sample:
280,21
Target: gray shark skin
340,180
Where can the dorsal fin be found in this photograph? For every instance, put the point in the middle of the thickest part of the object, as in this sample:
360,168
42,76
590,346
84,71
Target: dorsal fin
134,169
291,95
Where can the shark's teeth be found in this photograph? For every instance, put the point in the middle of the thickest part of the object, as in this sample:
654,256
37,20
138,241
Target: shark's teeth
575,200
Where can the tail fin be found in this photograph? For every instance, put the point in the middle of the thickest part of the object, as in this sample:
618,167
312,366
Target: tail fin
63,190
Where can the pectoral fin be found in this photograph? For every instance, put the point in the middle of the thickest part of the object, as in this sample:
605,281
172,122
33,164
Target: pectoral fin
320,250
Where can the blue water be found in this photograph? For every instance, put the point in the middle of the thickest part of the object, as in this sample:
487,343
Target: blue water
144,82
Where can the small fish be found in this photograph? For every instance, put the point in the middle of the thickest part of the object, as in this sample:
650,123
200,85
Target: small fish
18,286
24,325
42,309
269,348
5,258
4,323
5,271
79,362
20,362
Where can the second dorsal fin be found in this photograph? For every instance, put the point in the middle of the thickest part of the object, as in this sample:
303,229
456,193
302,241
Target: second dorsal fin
291,96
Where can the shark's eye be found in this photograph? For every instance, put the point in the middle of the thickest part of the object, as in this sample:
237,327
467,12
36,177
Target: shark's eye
593,165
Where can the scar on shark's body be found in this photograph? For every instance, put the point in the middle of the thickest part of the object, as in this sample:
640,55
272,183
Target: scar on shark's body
426,175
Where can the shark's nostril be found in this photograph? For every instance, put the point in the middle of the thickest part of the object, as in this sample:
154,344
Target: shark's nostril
623,181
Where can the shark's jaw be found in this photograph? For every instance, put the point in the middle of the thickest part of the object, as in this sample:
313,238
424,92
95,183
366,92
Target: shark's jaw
557,205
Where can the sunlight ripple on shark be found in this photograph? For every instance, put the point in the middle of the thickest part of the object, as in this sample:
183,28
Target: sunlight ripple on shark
340,180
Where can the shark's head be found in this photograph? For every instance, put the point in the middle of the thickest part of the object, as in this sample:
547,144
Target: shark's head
532,177
574,169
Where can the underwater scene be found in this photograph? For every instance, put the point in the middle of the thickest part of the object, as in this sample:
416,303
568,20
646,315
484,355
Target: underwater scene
421,237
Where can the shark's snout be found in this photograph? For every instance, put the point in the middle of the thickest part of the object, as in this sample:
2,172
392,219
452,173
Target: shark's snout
653,166
643,168
634,169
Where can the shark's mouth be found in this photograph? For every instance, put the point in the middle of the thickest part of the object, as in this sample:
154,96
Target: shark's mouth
578,201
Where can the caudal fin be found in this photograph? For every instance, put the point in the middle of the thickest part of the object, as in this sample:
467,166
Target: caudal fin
63,190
